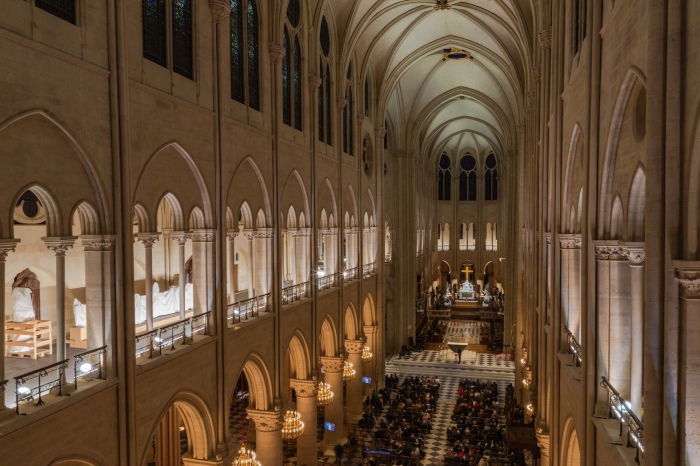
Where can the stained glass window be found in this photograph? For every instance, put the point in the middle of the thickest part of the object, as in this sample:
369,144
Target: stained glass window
444,178
329,139
64,9
182,37
321,106
491,178
154,35
286,81
297,85
293,13
351,124
367,96
237,58
467,178
253,57
325,38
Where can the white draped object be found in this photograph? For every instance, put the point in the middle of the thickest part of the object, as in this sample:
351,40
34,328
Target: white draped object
79,313
22,307
164,303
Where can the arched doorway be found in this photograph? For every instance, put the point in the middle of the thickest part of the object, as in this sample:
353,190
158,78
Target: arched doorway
445,276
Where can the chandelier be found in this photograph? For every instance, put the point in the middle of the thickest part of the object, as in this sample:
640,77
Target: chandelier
292,427
348,371
245,457
325,395
366,354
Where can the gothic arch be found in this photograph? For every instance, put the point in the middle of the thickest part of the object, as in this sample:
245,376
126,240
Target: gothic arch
328,337
198,422
352,206
299,356
31,122
87,217
571,450
259,382
247,170
53,213
73,462
636,206
149,184
618,220
608,174
369,311
295,194
196,220
170,208
570,163
142,218
351,323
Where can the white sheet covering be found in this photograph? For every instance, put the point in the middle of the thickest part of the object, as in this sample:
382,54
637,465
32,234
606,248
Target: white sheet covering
22,311
164,303
79,313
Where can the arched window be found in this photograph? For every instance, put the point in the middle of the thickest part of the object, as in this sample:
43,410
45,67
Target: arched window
157,37
245,55
64,9
491,238
578,24
443,237
491,179
291,67
444,178
386,135
467,178
348,120
324,90
367,95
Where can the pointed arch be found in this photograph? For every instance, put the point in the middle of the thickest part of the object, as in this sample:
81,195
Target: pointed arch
633,75
328,337
369,312
257,200
259,382
260,220
229,218
88,218
636,206
353,202
196,220
54,218
569,174
295,193
350,323
299,356
291,222
170,212
579,211
617,220
571,450
245,216
323,224
142,218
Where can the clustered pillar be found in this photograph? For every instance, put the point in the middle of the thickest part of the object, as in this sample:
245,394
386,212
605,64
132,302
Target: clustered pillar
306,392
333,368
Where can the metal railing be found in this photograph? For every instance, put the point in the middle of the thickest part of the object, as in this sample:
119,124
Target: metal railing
491,247
88,363
24,393
620,409
294,293
247,309
162,337
573,347
350,274
327,281
367,270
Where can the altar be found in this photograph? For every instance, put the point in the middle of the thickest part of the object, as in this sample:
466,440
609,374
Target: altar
466,292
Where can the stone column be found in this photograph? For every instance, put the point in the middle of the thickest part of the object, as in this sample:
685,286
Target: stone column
262,257
306,391
203,271
333,368
268,436
6,247
301,246
249,235
353,404
571,281
372,368
59,245
331,251
231,262
181,237
148,239
99,286
635,254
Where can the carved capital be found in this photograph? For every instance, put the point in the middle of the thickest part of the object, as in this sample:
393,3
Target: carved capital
340,103
361,119
380,131
265,421
521,129
570,241
98,243
220,10
609,253
536,74
635,254
314,83
264,233
304,388
332,364
354,346
180,237
688,275
6,247
546,39
148,239
202,236
543,441
59,245
548,238
369,329
276,53
531,96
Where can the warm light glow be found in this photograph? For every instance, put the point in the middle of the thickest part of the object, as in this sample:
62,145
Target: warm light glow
348,371
245,457
523,361
85,367
325,395
292,427
24,390
366,354
530,409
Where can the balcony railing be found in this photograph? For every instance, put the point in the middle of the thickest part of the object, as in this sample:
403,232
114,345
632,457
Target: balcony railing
367,270
350,274
166,337
327,281
26,393
89,363
294,293
247,309
620,409
574,347
491,247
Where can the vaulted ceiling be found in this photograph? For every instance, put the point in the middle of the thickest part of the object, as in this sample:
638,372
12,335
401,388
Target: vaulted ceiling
435,104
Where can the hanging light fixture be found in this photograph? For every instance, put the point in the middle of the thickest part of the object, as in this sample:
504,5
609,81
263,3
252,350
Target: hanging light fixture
245,457
325,395
366,354
348,371
292,426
